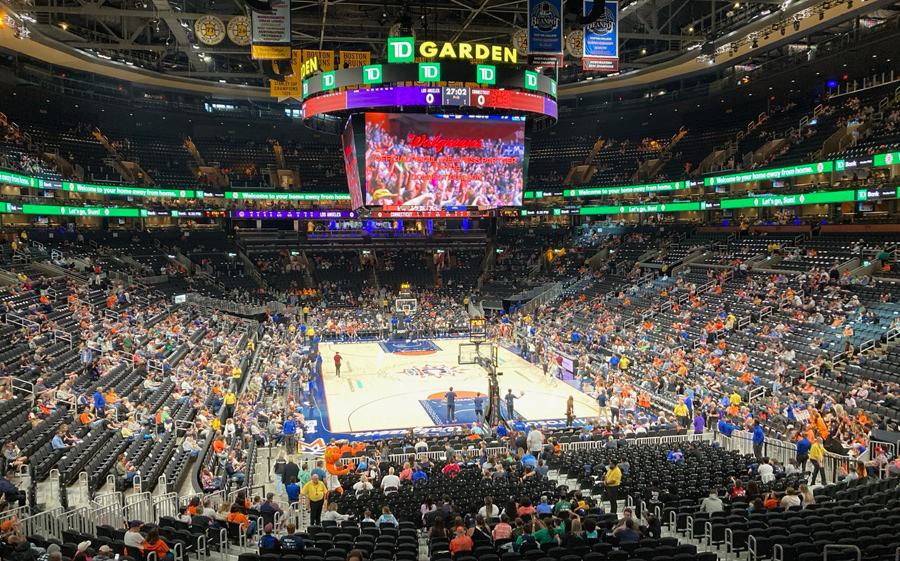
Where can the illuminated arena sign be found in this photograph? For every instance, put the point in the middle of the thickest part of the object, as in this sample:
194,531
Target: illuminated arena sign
402,49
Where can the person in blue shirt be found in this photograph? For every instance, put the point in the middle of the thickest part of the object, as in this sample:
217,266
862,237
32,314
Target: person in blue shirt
803,446
543,507
290,427
725,427
293,491
675,456
419,475
510,404
58,442
529,460
759,438
318,470
519,425
479,407
500,429
99,402
450,398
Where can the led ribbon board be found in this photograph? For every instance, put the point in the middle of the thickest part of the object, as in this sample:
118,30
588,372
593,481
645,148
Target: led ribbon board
768,174
413,96
379,75
791,200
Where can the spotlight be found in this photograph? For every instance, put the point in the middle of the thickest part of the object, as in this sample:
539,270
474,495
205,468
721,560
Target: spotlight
712,60
849,4
766,36
821,16
755,43
782,30
796,25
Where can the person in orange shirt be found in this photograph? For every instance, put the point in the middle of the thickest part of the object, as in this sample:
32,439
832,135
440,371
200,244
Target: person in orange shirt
218,444
238,517
156,544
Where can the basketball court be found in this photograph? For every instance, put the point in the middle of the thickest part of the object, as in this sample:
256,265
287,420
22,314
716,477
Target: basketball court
398,385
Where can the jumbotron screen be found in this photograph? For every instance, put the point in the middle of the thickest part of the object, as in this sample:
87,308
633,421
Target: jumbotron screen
422,160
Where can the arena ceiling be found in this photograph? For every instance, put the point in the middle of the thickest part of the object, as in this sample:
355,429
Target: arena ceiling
158,35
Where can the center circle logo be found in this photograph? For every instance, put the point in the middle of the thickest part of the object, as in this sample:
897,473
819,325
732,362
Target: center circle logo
432,371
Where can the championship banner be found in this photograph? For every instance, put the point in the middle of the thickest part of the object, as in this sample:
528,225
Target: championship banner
601,38
290,87
324,59
545,33
354,59
271,32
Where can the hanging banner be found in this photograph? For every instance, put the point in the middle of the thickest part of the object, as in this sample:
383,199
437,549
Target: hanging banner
290,87
238,30
601,38
209,30
354,59
271,32
545,32
324,60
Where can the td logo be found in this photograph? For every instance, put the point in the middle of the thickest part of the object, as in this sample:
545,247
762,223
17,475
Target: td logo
487,74
327,80
400,49
372,74
531,80
429,72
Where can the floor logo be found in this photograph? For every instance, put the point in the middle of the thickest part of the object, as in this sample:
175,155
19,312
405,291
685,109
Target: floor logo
433,371
316,447
410,348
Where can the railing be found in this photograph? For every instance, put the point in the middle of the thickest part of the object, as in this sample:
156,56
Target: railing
138,506
45,524
758,392
78,520
591,444
165,505
441,454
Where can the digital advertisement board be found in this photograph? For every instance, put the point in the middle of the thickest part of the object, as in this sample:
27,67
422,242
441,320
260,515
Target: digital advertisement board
351,161
444,161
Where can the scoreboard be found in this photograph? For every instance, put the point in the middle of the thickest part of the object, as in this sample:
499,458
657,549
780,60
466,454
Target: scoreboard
413,96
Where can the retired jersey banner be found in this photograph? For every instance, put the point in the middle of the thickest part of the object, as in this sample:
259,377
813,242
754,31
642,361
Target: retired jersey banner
355,59
545,30
271,32
601,38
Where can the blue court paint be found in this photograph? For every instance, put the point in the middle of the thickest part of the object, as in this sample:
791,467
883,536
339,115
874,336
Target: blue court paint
409,347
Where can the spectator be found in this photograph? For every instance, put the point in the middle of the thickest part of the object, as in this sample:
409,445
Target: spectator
712,503
316,497
387,518
134,538
460,542
267,542
157,545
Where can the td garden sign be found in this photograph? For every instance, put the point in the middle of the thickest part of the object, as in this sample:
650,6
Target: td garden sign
403,49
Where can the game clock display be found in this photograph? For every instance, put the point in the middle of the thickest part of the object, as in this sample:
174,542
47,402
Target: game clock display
456,96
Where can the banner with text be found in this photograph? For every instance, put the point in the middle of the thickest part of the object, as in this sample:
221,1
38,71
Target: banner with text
545,33
601,37
355,59
271,32
290,87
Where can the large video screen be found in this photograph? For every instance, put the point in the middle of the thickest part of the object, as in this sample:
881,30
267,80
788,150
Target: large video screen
422,160
350,165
